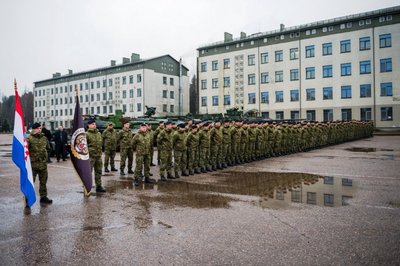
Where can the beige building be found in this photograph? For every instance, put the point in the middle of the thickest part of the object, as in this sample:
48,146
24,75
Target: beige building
160,82
338,69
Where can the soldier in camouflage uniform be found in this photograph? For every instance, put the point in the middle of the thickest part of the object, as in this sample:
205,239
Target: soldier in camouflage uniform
94,141
204,147
243,142
179,147
150,135
192,143
110,146
226,156
38,151
164,146
160,128
235,143
140,143
215,146
125,143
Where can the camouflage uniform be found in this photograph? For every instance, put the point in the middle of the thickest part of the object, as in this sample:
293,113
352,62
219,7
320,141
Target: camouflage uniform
141,143
125,142
150,136
38,150
164,145
243,143
110,145
192,143
226,146
204,149
215,147
235,144
94,141
179,147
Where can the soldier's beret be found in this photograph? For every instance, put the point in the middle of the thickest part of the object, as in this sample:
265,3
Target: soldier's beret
161,122
181,125
91,121
194,126
169,123
143,125
206,123
35,125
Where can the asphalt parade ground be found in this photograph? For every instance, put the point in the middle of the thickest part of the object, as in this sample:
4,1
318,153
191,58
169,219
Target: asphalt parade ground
336,205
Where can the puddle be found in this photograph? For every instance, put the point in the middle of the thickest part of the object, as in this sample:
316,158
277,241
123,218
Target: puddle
264,189
361,149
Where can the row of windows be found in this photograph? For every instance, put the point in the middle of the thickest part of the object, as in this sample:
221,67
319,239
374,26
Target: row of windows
327,94
327,72
385,40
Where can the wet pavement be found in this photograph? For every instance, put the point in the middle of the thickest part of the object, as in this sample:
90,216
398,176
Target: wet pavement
336,205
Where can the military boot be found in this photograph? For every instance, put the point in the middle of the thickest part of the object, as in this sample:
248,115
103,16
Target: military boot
197,170
185,173
130,171
219,166
177,175
106,170
203,170
113,169
149,180
191,172
136,181
122,172
46,200
214,168
209,169
162,178
170,176
100,189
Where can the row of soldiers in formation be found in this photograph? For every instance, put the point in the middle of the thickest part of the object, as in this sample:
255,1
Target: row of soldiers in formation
190,148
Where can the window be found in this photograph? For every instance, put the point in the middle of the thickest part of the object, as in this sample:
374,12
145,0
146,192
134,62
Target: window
294,114
278,56
215,100
328,115
204,67
172,95
294,74
104,96
279,76
328,200
365,43
327,93
386,89
328,180
139,93
110,95
385,40
131,94
130,79
203,84
109,82
252,98
365,67
296,197
214,65
345,46
265,97
264,77
327,71
165,108
227,63
310,94
110,109
139,78
123,94
214,83
171,81
311,198
264,58
123,80
86,99
124,108
365,114
252,79
164,80
164,93
171,108
251,59
346,114
294,95
227,100
204,101
310,51
345,69
365,90
227,82
386,113
310,72
386,65
294,53
346,92
265,115
310,115
98,84
279,96
327,48
104,83
279,115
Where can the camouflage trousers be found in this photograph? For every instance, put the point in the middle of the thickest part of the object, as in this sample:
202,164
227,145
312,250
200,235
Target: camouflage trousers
226,154
251,148
43,175
235,148
204,157
242,153
97,164
126,153
192,159
142,162
180,161
165,162
109,155
215,154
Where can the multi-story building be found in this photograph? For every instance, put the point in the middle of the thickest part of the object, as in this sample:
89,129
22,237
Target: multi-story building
338,69
160,82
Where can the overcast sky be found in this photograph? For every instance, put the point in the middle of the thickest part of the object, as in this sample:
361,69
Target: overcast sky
41,37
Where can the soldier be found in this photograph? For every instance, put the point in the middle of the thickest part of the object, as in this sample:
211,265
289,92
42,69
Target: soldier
179,147
161,127
192,143
94,141
235,135
150,136
125,144
226,144
141,143
215,146
204,148
110,146
38,150
48,135
164,146
60,138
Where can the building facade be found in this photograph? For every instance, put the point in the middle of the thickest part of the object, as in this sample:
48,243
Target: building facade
160,82
338,69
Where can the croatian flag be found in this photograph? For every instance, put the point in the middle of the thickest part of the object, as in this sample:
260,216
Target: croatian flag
20,153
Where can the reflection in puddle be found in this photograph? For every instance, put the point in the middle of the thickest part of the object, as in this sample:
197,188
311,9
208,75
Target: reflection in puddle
361,149
264,189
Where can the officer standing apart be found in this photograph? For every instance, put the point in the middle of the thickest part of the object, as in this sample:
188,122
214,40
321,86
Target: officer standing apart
110,146
141,143
94,141
38,148
125,144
